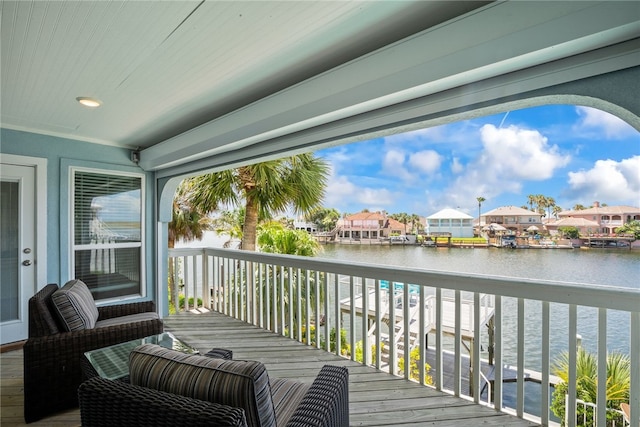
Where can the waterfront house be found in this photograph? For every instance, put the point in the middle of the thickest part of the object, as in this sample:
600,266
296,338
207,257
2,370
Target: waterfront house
600,219
368,226
512,218
584,226
307,226
174,89
451,222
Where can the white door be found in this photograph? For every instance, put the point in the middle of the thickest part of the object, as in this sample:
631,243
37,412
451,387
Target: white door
17,249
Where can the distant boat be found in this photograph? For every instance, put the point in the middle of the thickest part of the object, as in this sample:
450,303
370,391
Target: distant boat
428,243
508,241
399,240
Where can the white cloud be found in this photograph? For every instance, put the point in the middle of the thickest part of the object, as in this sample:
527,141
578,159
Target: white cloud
608,181
520,153
510,156
600,121
394,164
456,166
428,161
346,196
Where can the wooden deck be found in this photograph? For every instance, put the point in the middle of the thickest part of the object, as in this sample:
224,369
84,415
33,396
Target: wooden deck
376,398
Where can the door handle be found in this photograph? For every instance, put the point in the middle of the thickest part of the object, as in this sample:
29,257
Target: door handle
26,262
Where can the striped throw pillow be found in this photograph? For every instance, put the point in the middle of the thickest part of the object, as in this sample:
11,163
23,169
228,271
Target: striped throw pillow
238,383
75,306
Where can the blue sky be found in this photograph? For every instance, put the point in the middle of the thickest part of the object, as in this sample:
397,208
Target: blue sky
577,155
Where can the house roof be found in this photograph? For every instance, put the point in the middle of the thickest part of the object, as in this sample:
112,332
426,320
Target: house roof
395,224
510,211
573,222
603,210
449,214
198,85
365,216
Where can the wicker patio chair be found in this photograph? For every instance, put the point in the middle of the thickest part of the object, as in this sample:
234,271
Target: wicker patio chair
238,394
52,356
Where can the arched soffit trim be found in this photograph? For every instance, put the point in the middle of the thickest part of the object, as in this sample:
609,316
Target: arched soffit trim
166,189
613,92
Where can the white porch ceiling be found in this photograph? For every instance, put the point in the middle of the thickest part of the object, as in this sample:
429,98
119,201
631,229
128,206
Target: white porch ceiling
162,67
187,80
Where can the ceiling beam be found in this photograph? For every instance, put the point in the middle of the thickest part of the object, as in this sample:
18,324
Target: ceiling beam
496,40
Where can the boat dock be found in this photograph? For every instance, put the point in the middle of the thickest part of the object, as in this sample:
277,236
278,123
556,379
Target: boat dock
377,300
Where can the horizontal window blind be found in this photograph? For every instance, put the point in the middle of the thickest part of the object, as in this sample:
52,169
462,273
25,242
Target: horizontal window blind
107,233
107,208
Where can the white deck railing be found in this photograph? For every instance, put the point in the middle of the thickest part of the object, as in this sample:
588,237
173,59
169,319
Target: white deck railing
292,295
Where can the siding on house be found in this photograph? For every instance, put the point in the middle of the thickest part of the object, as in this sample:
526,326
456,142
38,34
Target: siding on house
61,154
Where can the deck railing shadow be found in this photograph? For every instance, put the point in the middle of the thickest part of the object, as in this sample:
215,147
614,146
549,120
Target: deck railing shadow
371,314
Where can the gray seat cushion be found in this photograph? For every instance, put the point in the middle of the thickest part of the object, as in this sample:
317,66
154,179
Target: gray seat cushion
75,306
287,395
138,317
237,383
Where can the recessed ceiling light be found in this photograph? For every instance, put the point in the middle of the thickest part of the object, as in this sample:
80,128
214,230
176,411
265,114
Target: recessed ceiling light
89,102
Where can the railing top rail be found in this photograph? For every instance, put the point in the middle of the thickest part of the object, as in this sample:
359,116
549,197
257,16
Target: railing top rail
604,296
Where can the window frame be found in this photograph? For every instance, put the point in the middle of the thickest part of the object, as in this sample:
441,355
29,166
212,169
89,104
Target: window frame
74,247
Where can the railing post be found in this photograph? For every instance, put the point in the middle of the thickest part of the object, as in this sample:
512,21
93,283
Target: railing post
307,315
338,317
544,400
366,350
520,367
422,338
634,391
206,294
176,284
438,332
601,400
393,364
497,376
475,363
570,409
352,318
457,368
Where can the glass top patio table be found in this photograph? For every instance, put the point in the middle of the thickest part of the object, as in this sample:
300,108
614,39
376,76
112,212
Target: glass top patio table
113,362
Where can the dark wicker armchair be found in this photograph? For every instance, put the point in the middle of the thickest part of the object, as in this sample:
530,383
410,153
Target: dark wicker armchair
52,356
106,403
224,394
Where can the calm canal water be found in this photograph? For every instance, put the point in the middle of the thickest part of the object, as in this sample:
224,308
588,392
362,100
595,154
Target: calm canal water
595,266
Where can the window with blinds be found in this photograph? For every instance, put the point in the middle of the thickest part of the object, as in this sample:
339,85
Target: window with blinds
108,228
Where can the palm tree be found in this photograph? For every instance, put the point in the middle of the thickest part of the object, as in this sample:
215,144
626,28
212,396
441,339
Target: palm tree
549,203
274,237
480,200
229,223
188,223
401,217
556,210
325,217
414,219
264,188
618,379
579,207
531,199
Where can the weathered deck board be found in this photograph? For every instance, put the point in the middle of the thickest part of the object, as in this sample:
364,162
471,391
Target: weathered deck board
376,398
12,400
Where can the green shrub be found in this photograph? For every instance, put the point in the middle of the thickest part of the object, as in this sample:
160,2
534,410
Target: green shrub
414,369
181,302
